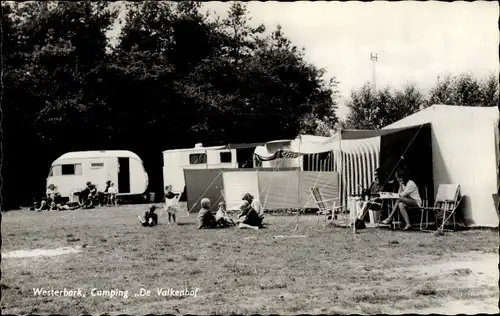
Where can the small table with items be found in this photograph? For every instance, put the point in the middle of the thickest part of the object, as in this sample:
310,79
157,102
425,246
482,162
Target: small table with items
389,200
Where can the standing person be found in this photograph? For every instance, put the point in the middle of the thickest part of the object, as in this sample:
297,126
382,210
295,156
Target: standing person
105,193
171,203
112,195
205,218
408,197
150,217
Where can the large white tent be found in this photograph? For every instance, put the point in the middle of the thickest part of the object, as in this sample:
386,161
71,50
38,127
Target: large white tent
465,151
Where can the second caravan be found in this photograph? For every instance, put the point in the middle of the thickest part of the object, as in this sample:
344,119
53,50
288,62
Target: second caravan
199,157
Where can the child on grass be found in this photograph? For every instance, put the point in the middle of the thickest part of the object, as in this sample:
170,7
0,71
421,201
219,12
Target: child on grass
112,191
222,218
171,203
205,218
150,217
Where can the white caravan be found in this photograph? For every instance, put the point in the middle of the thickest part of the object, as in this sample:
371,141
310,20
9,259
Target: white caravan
199,157
71,171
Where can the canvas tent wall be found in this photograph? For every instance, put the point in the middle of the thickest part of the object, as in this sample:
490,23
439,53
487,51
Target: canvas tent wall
201,183
355,154
464,151
282,189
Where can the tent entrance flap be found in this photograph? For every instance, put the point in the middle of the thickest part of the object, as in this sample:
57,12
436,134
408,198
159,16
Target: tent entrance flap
409,149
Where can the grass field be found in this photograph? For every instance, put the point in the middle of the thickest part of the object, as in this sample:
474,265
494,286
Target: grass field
241,271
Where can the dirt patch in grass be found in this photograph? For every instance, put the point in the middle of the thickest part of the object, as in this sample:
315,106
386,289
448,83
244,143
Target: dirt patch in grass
242,271
41,252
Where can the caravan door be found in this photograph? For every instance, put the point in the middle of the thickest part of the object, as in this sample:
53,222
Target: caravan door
123,175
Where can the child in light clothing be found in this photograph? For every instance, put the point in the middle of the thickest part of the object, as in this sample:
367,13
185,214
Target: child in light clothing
171,203
222,218
112,191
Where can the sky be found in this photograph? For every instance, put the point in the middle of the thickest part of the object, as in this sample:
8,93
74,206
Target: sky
415,42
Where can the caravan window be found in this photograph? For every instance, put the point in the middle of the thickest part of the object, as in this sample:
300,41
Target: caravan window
55,171
225,157
195,159
71,169
96,165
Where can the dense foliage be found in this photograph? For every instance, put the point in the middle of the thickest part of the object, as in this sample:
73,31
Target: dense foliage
375,109
177,76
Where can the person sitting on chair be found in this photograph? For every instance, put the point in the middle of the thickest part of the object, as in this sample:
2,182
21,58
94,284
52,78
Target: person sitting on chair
52,194
105,193
205,218
373,203
252,214
221,217
408,197
150,217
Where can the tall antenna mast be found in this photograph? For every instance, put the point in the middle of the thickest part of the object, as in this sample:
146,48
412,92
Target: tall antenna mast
374,59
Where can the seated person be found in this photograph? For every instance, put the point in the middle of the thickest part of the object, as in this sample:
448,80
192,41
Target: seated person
44,206
104,196
52,194
150,217
252,214
222,219
54,206
409,196
88,195
373,203
205,218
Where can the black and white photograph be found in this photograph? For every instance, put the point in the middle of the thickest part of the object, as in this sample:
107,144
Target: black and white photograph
249,157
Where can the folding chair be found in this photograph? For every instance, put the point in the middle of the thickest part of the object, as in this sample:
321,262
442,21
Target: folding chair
325,209
448,199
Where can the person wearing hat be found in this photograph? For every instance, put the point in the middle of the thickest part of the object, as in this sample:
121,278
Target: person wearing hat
150,217
252,213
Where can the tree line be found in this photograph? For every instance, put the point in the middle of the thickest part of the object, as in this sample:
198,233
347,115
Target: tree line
370,109
176,75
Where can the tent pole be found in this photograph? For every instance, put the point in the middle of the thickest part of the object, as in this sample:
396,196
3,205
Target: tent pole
342,184
298,174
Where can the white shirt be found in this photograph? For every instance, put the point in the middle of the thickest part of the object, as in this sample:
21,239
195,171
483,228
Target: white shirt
220,214
411,190
112,190
257,207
